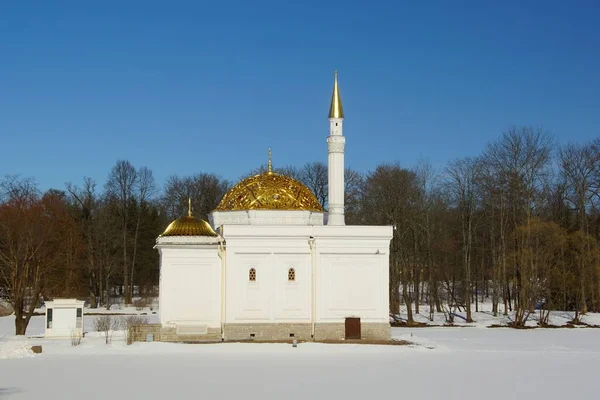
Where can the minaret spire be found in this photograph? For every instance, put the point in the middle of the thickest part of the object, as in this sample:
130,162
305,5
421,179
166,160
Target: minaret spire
270,163
335,159
189,206
336,110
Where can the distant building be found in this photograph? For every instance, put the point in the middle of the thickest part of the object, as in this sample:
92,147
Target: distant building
64,318
272,264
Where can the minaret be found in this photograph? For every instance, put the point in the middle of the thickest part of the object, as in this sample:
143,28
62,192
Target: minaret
335,160
270,164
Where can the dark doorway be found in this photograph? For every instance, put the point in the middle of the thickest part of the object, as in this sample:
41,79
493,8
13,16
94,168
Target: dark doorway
352,328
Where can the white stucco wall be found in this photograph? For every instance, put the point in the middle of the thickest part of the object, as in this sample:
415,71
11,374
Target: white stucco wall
340,271
351,267
271,251
352,273
190,285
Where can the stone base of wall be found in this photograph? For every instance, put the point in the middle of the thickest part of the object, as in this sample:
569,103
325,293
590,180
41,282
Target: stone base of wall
170,335
264,332
164,334
368,331
139,333
330,331
376,331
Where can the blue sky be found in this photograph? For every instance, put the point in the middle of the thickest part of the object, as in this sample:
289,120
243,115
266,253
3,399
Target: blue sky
186,87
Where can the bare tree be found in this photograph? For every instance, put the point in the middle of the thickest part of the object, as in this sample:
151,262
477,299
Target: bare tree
547,242
520,158
578,165
19,245
582,260
106,324
144,190
314,176
107,247
595,160
577,168
33,244
205,191
120,186
353,185
85,201
14,188
492,192
428,179
389,198
462,175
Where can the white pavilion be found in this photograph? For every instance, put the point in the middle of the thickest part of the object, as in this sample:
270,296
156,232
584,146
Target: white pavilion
272,264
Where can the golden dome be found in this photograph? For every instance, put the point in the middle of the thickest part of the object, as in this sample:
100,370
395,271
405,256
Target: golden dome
269,191
189,226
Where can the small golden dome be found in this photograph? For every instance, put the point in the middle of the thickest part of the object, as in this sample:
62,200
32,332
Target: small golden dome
269,191
189,226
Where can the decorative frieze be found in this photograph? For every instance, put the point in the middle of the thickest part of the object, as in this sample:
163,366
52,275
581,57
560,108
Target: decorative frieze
260,217
188,240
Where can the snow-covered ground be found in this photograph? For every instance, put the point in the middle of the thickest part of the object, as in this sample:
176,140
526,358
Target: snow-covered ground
444,363
485,318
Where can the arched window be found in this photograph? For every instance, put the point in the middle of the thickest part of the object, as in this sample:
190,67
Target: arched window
291,274
252,275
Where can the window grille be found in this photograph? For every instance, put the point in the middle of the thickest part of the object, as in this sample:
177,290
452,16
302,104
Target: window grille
79,323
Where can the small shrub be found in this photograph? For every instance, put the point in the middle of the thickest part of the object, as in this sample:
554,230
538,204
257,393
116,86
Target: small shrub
132,320
105,324
75,337
128,324
133,323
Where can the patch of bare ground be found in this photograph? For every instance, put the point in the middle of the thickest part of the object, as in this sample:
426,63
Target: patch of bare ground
580,324
114,313
516,326
406,324
363,341
424,325
511,325
551,326
391,342
568,325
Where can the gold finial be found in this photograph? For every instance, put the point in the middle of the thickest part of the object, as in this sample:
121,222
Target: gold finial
270,163
336,110
189,206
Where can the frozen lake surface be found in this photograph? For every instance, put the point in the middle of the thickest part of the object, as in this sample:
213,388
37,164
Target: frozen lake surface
445,363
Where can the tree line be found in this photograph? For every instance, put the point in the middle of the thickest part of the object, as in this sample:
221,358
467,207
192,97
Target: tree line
519,225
